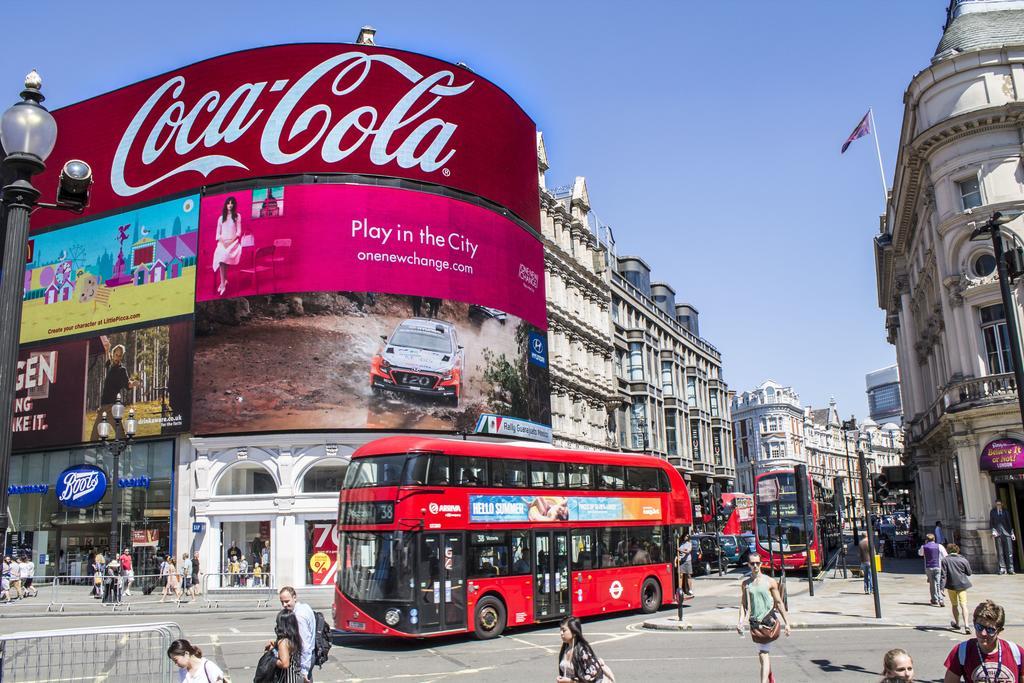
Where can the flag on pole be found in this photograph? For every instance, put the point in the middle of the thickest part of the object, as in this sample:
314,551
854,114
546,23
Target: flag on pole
862,129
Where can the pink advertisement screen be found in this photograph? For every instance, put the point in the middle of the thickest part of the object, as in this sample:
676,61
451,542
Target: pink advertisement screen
327,238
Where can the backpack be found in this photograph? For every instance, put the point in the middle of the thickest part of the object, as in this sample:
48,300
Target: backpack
266,669
961,651
322,644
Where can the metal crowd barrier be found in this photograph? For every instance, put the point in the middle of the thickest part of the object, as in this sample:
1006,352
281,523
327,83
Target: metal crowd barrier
232,587
115,592
136,653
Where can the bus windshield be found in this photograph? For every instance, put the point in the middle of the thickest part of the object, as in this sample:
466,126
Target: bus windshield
377,566
379,470
794,530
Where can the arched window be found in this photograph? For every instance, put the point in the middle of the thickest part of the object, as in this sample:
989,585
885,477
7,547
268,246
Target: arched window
248,479
324,477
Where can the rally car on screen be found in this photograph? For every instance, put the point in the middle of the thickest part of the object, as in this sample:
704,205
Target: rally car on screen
422,356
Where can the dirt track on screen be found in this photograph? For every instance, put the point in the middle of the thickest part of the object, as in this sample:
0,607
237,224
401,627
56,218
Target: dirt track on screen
312,372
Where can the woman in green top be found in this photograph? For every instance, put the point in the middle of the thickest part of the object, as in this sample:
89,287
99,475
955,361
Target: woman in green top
759,598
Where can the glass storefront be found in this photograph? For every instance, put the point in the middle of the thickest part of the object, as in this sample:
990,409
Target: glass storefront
62,540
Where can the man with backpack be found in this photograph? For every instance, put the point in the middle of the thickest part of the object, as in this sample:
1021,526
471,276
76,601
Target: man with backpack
313,629
986,657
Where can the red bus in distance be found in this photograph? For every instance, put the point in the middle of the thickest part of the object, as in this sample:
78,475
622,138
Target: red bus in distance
443,536
786,518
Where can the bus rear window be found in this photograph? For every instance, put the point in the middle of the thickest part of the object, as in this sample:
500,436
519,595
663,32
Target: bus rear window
378,470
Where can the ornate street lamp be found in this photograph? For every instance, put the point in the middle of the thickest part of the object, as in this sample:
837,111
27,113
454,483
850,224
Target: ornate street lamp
116,439
27,135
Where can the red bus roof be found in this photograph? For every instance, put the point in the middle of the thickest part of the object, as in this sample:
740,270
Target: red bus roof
392,445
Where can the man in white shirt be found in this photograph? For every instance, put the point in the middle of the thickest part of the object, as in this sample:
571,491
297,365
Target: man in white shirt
307,627
28,570
16,591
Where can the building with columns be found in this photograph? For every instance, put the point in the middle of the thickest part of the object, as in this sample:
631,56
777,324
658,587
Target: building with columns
960,160
579,320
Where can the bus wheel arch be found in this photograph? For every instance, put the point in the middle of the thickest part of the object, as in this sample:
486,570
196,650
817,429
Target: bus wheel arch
650,595
490,616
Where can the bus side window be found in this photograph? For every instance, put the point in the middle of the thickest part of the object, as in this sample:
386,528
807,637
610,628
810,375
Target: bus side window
437,474
611,477
580,476
416,470
520,552
469,471
583,549
641,479
547,475
507,473
663,482
488,555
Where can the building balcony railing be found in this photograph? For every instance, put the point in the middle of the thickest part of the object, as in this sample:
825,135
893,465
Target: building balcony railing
964,395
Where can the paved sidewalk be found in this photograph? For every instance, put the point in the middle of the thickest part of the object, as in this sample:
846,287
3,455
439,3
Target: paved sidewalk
76,600
839,602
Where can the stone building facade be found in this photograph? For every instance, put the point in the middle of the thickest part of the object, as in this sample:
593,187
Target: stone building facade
960,160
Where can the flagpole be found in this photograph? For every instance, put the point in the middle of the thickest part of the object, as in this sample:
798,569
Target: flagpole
878,151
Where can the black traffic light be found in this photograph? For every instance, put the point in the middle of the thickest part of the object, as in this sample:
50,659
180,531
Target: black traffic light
880,487
716,496
1014,259
800,475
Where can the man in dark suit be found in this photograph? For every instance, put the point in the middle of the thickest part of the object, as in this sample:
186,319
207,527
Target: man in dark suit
1002,532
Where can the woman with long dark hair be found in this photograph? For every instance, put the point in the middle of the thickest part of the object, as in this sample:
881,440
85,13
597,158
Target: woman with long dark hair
229,242
194,667
577,662
287,647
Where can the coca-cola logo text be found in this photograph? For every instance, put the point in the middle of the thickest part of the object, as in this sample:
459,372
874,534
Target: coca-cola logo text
173,122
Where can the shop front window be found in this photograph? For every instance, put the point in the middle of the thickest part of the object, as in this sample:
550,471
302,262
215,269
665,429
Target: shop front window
246,555
247,479
324,478
63,540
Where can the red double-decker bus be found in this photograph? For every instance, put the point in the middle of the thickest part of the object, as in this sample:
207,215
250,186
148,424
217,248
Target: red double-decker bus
782,531
443,536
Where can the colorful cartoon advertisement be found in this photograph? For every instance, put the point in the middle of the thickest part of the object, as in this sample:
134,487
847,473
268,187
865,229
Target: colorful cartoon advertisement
332,237
63,389
485,508
128,269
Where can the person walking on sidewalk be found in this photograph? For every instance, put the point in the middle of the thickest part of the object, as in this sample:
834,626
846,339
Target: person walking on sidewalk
287,648
761,604
955,570
192,666
15,578
307,626
1002,532
577,662
865,562
932,553
28,572
684,561
939,533
897,667
127,572
986,658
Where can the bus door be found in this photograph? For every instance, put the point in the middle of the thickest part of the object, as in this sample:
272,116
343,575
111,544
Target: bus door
551,596
441,582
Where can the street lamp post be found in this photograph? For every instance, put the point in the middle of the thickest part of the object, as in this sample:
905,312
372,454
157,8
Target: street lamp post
993,226
116,438
27,135
850,426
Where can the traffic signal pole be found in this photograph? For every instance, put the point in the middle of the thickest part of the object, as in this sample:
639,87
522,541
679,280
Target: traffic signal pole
862,462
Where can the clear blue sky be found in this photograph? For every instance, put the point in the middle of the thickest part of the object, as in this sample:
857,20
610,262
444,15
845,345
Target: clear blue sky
708,132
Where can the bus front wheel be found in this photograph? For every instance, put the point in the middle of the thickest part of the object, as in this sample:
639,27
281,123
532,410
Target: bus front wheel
489,621
650,596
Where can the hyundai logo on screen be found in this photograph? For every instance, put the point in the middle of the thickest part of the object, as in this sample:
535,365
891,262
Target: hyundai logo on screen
81,486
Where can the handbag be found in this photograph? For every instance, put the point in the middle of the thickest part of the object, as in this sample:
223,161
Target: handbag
606,671
766,630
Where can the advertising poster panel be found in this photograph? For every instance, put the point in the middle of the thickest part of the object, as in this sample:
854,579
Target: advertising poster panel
322,238
322,553
122,270
360,360
63,388
48,395
294,109
485,508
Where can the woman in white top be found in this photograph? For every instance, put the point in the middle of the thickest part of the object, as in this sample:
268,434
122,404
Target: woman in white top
193,667
229,242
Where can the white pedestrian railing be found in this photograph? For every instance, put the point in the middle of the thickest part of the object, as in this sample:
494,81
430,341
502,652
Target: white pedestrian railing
238,587
136,653
119,592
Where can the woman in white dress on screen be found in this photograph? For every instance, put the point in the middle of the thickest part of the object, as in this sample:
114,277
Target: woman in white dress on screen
229,242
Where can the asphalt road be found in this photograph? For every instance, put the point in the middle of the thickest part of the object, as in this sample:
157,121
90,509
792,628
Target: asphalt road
236,640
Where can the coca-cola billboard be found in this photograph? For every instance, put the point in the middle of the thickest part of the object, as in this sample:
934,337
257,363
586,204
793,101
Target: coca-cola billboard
293,109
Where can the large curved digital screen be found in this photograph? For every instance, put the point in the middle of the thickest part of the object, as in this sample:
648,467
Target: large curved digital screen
292,109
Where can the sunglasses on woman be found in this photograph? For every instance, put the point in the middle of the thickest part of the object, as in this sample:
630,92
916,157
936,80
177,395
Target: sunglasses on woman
987,630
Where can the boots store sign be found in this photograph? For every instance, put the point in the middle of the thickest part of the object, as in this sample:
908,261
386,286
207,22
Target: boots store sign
291,109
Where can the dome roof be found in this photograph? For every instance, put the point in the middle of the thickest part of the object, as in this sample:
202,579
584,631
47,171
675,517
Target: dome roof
979,30
868,423
891,427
